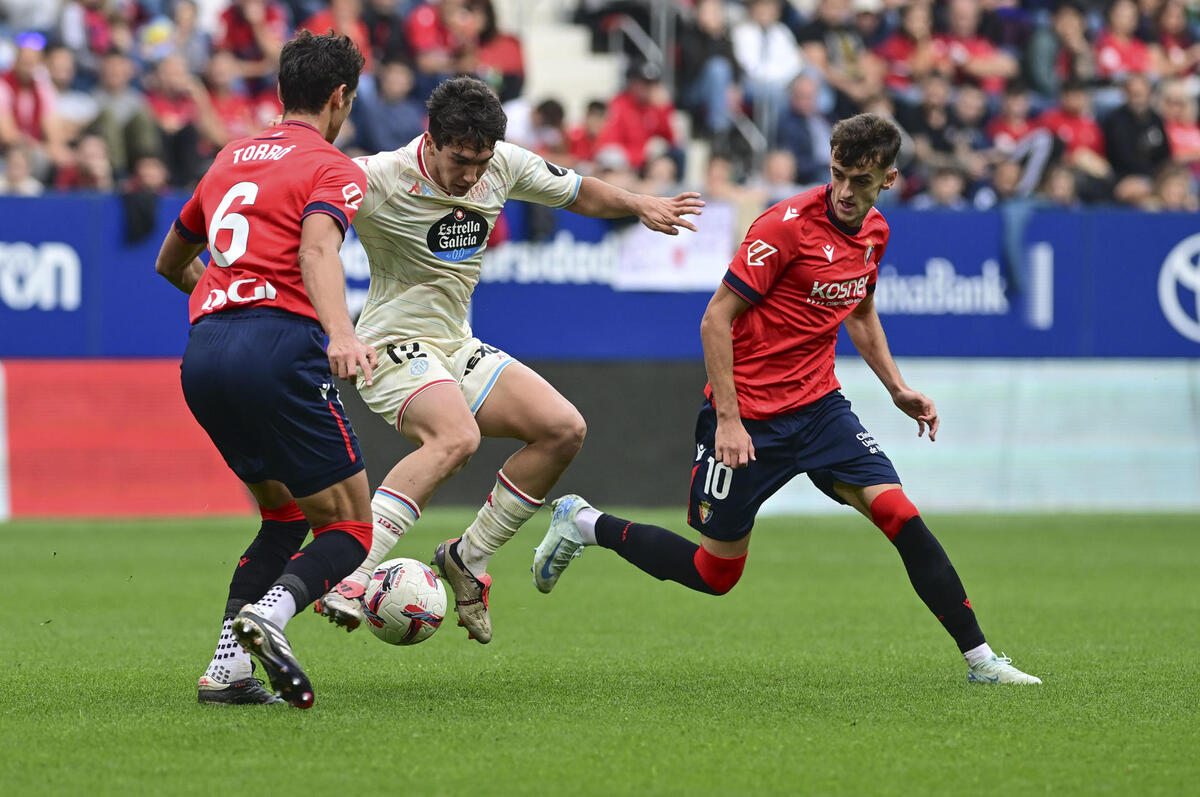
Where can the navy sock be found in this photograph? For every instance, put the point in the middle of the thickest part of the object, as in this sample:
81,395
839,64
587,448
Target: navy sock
324,562
263,562
937,582
657,551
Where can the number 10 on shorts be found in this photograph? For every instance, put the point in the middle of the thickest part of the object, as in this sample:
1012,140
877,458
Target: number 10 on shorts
718,478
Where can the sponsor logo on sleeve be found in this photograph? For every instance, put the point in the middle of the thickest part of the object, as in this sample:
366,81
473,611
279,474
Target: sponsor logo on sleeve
352,195
758,252
555,169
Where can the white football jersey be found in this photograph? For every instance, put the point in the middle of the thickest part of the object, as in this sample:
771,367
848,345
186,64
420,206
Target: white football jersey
425,247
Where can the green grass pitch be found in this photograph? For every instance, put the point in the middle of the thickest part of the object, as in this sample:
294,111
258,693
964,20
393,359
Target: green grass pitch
821,673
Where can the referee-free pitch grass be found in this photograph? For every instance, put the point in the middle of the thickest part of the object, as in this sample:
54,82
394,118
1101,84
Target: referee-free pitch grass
821,673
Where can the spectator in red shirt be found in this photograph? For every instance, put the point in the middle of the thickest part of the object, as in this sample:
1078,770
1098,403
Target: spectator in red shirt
89,168
232,106
343,17
1179,119
639,118
909,53
1012,123
1179,49
1082,140
582,138
183,114
436,33
254,31
975,59
492,56
1118,51
27,106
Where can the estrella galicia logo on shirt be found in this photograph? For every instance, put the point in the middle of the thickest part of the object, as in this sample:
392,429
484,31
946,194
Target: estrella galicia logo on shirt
457,235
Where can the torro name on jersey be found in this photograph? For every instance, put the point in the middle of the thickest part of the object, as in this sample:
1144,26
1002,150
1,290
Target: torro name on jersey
840,290
261,152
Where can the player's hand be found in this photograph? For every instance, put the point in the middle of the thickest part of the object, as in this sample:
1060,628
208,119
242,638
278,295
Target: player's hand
733,444
920,408
348,355
666,214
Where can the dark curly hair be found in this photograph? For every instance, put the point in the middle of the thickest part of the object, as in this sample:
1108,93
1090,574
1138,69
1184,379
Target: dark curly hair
465,111
312,67
865,140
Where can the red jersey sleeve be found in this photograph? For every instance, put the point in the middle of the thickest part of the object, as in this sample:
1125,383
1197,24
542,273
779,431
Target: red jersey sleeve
337,192
190,225
762,258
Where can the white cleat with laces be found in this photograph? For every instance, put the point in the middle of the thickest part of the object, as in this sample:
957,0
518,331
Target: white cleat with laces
999,670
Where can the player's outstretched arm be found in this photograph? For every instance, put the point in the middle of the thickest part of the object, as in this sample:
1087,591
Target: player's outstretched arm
179,262
866,333
662,214
733,444
325,284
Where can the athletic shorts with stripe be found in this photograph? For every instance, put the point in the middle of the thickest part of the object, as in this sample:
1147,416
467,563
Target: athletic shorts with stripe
405,369
824,440
258,381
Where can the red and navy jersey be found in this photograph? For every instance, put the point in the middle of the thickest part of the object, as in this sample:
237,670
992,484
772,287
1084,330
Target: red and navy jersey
804,272
249,208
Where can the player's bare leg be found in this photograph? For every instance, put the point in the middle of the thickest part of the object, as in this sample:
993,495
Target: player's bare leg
523,406
933,577
339,516
440,423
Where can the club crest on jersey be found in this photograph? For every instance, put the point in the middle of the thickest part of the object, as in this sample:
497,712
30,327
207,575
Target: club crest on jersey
705,511
758,252
418,367
457,235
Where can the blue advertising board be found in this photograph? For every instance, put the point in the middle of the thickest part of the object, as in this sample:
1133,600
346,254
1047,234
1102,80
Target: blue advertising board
1034,283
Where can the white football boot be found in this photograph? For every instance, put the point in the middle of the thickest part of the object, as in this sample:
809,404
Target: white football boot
999,670
562,543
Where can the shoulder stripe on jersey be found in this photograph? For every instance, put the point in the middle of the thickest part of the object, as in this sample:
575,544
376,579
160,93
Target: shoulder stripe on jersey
325,207
739,286
188,235
575,193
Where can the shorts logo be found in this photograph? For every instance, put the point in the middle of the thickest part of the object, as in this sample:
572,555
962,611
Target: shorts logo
699,451
705,511
758,252
868,440
457,235
418,367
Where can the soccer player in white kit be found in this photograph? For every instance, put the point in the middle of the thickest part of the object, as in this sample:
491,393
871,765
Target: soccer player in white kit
424,222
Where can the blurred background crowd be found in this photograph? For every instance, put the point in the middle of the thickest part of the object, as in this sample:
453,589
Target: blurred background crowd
1063,103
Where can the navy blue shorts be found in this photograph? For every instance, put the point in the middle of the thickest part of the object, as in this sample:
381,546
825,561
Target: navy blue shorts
824,439
258,381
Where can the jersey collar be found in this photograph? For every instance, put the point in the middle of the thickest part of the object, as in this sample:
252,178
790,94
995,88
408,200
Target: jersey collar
295,123
834,220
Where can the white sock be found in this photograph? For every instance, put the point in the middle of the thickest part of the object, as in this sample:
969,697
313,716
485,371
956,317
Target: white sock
495,524
585,521
394,513
230,661
278,606
978,654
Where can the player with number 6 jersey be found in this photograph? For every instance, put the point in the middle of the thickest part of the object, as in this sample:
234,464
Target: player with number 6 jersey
257,374
774,408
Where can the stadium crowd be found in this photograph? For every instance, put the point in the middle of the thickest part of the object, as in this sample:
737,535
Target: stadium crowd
1064,103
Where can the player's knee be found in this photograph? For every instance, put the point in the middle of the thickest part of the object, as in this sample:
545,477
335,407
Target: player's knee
890,510
568,432
454,448
720,573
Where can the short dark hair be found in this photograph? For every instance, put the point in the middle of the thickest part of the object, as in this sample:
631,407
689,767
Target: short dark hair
865,140
312,67
465,111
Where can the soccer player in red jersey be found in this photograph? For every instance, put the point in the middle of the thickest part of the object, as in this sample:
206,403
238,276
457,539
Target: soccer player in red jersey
257,375
774,409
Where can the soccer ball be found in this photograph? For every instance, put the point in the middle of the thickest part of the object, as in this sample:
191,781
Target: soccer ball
404,601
